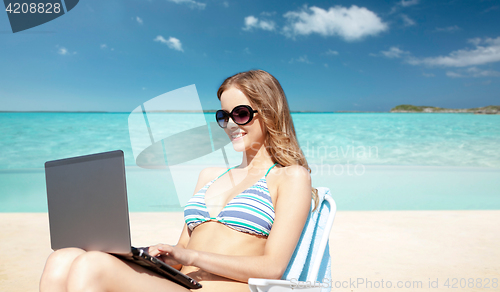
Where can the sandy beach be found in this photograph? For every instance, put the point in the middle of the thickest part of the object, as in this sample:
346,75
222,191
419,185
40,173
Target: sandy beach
419,249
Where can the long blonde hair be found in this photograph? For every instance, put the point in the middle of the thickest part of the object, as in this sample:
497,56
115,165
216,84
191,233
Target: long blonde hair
266,95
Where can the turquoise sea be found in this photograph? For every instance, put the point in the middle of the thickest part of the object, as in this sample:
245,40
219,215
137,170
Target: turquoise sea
370,161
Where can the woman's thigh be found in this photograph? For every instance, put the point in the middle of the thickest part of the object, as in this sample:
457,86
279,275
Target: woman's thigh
102,271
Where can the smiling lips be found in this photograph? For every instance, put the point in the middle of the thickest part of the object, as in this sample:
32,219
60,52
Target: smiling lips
237,136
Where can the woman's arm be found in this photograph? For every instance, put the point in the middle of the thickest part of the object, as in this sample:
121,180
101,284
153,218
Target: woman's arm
291,211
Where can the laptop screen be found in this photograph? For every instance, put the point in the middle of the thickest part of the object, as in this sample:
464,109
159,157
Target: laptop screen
87,202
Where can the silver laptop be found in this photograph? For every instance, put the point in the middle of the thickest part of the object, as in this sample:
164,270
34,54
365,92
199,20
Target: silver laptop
88,209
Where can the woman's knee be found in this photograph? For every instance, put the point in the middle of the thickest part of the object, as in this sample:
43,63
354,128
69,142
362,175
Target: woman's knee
89,270
57,267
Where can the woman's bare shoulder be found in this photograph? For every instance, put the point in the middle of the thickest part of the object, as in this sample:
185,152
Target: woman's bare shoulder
292,173
294,177
209,173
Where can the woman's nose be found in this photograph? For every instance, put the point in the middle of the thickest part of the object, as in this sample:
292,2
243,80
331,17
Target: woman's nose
231,124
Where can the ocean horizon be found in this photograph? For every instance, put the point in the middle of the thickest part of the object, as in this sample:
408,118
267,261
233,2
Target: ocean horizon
370,161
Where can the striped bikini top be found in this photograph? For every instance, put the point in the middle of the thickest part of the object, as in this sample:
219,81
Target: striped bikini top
251,211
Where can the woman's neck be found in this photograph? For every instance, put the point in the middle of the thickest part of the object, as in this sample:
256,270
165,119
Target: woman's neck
256,159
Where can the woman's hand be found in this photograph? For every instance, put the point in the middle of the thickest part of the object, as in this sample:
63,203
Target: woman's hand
173,255
155,252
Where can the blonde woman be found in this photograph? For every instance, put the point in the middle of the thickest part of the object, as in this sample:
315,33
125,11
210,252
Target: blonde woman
241,223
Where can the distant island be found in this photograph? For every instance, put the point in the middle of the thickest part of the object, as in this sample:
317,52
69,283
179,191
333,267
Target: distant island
408,108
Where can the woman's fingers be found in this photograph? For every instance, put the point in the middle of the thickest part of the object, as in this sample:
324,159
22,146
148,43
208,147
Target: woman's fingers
172,255
151,251
181,255
164,248
161,251
154,251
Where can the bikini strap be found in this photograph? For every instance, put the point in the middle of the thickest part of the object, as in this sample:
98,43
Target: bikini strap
270,168
226,171
237,165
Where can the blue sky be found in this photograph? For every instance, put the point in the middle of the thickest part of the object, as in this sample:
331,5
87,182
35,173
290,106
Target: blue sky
328,55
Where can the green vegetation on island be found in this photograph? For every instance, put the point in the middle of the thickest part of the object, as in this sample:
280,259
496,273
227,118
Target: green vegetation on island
408,108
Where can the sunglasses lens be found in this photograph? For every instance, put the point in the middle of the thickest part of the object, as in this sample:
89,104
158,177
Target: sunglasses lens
241,115
222,118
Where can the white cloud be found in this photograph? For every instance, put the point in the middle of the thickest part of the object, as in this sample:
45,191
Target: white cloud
351,24
63,51
403,3
326,65
138,19
265,13
453,74
247,51
105,47
406,3
191,3
332,52
253,22
473,72
225,4
172,42
475,41
486,51
407,20
491,9
394,52
476,72
447,29
301,59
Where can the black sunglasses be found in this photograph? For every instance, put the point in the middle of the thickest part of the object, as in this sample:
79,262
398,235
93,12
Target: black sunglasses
241,115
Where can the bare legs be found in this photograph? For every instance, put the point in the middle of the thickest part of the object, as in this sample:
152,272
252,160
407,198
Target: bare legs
56,271
73,269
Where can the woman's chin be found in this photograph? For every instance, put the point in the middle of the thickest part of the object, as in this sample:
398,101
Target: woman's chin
238,145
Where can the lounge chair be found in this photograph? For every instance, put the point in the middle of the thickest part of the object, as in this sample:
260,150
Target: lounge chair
303,272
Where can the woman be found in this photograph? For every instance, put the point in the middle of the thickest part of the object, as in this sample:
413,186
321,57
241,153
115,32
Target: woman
241,223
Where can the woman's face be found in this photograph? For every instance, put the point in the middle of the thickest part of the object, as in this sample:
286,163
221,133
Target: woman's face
246,137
